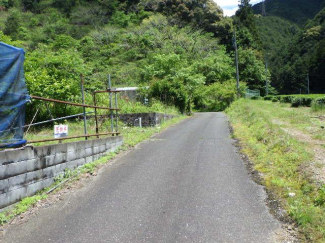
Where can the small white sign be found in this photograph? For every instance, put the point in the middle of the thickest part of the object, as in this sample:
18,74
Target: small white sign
60,131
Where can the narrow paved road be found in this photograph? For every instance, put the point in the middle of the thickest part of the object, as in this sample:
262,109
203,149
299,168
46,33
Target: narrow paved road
188,184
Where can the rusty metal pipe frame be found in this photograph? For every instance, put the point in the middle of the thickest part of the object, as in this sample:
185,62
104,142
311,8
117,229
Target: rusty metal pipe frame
107,91
72,137
70,103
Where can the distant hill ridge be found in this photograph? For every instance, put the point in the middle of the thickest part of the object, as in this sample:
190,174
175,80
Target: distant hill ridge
297,11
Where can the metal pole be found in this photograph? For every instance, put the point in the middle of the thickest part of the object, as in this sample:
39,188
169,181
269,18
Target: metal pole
110,102
31,122
266,81
237,68
116,106
308,83
96,120
83,102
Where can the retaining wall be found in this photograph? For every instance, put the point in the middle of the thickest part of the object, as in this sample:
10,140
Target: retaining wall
25,171
147,119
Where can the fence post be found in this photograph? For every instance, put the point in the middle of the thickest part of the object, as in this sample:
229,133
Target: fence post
83,102
110,101
96,118
116,106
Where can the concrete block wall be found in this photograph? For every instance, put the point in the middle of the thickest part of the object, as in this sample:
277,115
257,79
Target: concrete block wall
148,119
25,171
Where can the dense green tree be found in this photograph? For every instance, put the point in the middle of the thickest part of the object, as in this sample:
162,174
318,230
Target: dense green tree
245,19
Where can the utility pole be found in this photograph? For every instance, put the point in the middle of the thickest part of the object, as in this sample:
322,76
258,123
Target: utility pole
308,84
266,81
237,68
263,8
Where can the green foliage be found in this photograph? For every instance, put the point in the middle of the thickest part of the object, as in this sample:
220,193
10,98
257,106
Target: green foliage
251,69
317,101
217,96
304,54
172,53
279,157
320,199
318,104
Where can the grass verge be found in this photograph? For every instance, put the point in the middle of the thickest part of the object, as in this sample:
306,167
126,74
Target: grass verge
132,136
281,159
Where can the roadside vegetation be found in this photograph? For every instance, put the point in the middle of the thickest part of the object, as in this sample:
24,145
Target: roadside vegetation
316,101
286,146
132,136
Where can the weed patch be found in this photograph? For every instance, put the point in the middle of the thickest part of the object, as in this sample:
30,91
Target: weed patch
281,159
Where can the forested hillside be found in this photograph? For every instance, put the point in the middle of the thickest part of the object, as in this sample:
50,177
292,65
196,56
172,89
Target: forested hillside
294,53
181,49
297,11
305,55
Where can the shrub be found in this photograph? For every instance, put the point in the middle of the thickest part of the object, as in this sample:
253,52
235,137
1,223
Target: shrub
318,104
296,102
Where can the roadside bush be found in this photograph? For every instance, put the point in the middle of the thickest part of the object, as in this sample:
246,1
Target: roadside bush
274,99
315,100
268,97
296,102
318,104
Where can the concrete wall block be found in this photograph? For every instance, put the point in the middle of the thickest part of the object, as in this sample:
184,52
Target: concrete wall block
40,165
102,148
22,180
75,163
58,148
32,188
60,168
16,195
34,176
83,144
38,185
108,147
55,159
16,182
18,168
71,147
4,200
47,182
4,159
13,169
16,155
98,142
50,172
80,154
3,172
88,152
96,150
89,159
73,155
33,164
42,151
97,156
4,186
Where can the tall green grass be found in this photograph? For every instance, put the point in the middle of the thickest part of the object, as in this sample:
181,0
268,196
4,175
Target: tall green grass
281,159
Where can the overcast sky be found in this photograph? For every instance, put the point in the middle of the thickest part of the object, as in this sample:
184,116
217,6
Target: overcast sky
230,6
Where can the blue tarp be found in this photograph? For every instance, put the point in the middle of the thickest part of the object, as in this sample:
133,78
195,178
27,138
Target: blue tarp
13,96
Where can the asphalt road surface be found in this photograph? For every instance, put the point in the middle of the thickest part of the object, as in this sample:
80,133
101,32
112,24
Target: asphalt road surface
187,184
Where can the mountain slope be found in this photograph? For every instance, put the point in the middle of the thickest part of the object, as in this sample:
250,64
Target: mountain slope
305,55
297,11
275,33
